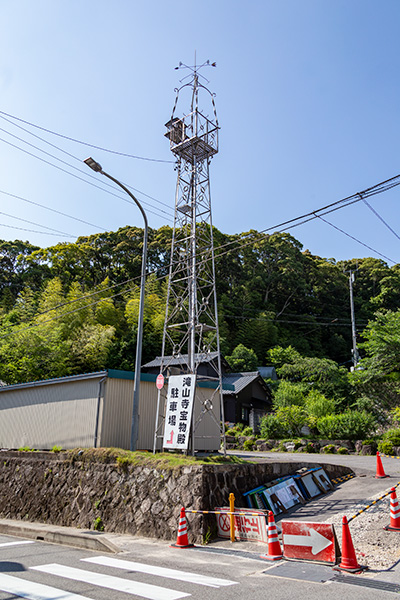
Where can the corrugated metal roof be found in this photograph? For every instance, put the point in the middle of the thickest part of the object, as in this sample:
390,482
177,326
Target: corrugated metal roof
16,386
268,373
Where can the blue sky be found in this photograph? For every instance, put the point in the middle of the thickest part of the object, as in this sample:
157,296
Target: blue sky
307,95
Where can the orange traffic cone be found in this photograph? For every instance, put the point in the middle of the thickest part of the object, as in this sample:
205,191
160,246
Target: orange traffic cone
394,513
380,473
349,561
274,547
182,540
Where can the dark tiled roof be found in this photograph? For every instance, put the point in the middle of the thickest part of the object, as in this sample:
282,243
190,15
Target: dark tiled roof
204,358
240,380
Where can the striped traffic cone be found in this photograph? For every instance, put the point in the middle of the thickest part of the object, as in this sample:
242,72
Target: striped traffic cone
182,540
394,513
380,473
274,547
349,561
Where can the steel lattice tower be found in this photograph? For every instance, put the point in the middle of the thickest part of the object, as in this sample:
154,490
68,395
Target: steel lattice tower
191,332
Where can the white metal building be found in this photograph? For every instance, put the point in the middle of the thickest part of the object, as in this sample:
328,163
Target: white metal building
89,411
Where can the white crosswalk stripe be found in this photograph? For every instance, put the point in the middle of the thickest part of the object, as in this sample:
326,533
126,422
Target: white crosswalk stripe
145,590
20,543
129,565
34,591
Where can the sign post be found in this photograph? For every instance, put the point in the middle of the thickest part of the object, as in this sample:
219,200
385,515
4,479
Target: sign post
178,417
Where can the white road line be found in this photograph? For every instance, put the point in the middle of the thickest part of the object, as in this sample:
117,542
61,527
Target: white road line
34,591
153,592
16,543
128,565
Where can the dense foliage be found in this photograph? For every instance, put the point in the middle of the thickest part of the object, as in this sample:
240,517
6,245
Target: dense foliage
72,308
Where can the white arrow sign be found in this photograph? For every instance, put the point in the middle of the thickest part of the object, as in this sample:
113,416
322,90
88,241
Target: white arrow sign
315,540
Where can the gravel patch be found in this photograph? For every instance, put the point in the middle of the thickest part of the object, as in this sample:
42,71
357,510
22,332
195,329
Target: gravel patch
376,548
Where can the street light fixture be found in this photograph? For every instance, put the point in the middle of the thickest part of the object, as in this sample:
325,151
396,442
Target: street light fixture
95,166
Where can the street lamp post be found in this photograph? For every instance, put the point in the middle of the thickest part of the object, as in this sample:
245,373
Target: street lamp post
136,386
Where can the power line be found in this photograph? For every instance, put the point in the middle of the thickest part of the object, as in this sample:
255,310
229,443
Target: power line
71,139
52,210
72,167
33,325
380,218
347,201
29,230
312,216
355,239
263,319
76,158
379,188
38,225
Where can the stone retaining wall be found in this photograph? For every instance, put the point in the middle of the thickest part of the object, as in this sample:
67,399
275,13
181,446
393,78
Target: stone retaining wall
49,488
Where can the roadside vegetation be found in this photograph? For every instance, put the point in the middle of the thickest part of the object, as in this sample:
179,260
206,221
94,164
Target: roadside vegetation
161,460
72,308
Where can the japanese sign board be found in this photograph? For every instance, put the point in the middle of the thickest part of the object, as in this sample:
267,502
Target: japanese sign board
178,417
252,528
309,541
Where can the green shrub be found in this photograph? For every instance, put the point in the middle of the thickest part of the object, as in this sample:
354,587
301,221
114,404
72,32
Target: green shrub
272,428
282,447
98,524
393,436
231,432
289,394
56,449
350,425
329,449
342,450
317,406
372,443
395,414
292,418
385,447
248,444
247,431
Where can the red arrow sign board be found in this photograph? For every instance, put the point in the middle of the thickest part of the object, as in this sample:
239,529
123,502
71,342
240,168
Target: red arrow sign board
309,541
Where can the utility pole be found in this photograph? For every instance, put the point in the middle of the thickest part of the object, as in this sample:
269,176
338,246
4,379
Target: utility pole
355,354
191,333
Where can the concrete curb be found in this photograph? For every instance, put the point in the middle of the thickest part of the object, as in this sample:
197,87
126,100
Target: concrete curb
65,536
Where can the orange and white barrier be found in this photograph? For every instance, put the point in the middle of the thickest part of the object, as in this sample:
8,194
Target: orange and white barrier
394,524
274,547
182,540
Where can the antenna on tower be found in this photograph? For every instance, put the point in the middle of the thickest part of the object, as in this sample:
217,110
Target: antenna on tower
190,347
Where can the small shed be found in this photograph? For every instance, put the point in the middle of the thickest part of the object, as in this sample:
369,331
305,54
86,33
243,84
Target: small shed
90,410
249,400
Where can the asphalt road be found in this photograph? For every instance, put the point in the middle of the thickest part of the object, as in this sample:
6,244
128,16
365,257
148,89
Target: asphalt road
151,569
346,495
144,568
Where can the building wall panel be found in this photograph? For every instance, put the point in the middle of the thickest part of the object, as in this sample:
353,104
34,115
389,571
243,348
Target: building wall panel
43,416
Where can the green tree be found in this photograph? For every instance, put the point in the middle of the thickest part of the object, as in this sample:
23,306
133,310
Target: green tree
290,394
293,418
378,377
242,359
